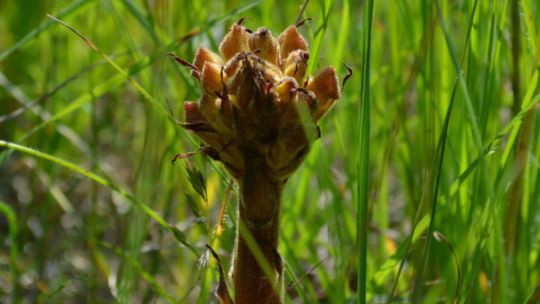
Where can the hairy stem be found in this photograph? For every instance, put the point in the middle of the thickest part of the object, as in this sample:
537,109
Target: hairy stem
258,212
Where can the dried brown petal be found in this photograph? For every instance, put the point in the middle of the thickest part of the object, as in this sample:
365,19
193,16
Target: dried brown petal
291,40
264,45
211,77
325,85
204,55
296,65
235,41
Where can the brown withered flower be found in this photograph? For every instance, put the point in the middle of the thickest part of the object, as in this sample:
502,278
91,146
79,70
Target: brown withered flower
257,116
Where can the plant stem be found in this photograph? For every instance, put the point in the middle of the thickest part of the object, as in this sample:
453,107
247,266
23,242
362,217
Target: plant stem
257,237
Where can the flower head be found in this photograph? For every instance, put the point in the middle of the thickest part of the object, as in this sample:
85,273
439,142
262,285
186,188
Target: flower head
258,104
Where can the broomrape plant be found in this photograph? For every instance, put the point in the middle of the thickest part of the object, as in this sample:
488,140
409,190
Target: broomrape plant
258,116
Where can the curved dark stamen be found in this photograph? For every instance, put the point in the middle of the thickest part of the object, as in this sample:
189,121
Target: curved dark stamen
241,20
188,154
302,22
349,74
206,150
195,71
183,62
183,155
301,12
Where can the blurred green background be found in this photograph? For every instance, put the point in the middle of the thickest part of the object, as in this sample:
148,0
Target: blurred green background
125,225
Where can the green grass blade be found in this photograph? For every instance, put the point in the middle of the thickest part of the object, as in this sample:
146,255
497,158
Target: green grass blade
363,156
416,296
326,9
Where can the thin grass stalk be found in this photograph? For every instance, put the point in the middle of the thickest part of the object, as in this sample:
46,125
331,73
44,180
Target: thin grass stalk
363,154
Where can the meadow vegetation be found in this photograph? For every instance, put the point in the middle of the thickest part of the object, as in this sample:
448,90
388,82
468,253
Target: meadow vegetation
423,188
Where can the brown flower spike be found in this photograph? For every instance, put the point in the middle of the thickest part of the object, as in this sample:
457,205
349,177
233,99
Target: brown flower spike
258,114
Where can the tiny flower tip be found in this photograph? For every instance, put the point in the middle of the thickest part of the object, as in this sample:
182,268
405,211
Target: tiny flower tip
211,77
234,42
325,85
264,45
291,40
262,31
204,55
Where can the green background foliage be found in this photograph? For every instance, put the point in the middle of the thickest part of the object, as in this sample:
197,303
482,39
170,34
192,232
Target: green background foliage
93,210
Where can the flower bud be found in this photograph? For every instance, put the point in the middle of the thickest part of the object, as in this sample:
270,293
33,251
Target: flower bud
290,40
296,65
264,45
211,77
204,55
325,85
235,41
